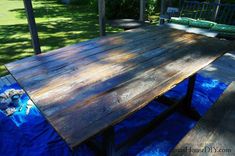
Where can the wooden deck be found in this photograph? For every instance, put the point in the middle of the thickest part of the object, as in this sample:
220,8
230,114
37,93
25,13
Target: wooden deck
6,81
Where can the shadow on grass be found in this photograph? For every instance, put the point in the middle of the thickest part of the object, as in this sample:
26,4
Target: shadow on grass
58,26
53,9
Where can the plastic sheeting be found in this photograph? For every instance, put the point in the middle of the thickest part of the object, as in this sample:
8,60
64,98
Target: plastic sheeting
32,135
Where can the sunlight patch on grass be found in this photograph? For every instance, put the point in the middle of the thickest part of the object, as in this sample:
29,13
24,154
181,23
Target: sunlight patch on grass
58,25
3,70
7,13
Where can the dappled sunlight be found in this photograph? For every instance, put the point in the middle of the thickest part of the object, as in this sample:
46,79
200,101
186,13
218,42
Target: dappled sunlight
111,77
222,69
190,39
213,84
92,73
102,81
99,68
117,42
230,56
73,76
58,25
7,17
119,56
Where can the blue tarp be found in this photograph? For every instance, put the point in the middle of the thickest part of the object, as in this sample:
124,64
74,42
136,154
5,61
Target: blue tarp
32,135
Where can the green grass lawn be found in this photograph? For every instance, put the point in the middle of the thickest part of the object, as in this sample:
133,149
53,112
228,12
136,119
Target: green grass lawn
58,25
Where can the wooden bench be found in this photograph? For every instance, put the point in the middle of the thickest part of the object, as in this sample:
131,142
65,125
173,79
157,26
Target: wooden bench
215,132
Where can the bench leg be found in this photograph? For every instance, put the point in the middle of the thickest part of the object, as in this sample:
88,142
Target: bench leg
109,142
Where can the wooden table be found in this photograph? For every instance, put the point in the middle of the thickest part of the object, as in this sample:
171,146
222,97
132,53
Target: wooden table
87,87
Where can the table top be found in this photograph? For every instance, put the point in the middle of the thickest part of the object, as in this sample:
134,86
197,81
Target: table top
84,88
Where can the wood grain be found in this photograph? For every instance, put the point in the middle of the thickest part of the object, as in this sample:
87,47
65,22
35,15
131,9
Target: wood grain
81,47
85,58
85,88
79,89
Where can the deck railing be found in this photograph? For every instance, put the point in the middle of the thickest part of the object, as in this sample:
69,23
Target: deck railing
220,13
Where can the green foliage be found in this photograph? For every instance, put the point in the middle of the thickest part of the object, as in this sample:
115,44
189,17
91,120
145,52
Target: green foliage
82,2
58,25
153,6
116,9
228,1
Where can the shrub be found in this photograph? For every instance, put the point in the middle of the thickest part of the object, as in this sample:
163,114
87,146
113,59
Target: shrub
116,9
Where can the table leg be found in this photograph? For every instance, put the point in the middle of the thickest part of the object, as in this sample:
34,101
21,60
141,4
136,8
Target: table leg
109,142
189,94
95,146
184,104
187,101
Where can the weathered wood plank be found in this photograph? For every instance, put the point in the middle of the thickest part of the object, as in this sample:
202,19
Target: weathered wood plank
79,86
93,92
118,104
85,57
81,47
90,83
215,130
123,59
53,69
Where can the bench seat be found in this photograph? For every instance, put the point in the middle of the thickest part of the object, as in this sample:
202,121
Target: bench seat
202,24
224,28
215,132
181,20
204,15
186,28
